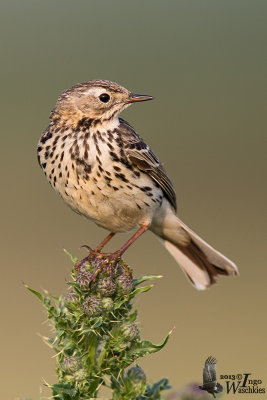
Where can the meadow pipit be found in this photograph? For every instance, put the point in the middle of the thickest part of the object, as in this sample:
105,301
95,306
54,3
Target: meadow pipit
104,170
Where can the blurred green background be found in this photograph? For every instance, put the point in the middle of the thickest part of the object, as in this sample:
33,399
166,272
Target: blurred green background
205,63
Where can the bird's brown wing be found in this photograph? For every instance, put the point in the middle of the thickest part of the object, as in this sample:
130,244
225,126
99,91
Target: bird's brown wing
209,371
140,155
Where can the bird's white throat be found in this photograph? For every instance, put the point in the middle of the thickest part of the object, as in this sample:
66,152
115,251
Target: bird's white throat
104,126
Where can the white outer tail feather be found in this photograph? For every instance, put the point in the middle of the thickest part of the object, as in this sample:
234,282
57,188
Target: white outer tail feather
214,256
199,277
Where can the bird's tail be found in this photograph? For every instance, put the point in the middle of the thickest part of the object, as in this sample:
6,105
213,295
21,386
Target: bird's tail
219,388
198,260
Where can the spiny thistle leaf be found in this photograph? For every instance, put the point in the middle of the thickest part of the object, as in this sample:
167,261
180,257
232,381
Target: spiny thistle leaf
142,289
72,257
37,294
146,347
145,278
63,388
153,392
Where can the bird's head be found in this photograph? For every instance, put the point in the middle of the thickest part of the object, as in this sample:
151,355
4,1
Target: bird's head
97,100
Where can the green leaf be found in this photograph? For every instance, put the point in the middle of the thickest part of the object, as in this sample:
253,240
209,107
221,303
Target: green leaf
132,317
153,392
145,278
56,298
75,287
63,388
98,321
144,347
161,385
119,303
72,257
142,289
38,294
40,395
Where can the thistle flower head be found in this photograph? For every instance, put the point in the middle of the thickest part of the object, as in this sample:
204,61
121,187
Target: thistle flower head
70,296
80,375
70,364
84,278
130,331
136,374
125,283
107,286
107,303
92,306
137,380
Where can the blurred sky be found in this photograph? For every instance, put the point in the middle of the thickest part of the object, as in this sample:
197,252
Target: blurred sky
205,63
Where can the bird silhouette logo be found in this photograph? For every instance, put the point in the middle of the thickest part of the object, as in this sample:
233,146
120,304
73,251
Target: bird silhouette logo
210,383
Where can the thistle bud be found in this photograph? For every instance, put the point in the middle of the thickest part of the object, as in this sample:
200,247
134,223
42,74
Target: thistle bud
130,331
70,364
137,378
107,303
92,306
107,286
136,375
84,278
70,296
125,283
81,375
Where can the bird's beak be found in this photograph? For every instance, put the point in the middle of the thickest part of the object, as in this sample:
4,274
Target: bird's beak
138,97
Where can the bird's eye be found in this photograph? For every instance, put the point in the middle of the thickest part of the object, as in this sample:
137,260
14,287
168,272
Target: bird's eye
104,97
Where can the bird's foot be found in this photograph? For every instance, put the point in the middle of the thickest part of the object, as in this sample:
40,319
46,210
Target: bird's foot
105,261
102,261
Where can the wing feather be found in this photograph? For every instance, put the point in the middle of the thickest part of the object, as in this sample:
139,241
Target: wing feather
140,155
209,371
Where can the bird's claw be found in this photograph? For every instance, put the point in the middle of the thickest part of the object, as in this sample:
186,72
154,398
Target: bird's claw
102,261
87,247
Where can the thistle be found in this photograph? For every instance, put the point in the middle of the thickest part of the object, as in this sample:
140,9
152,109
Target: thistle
96,337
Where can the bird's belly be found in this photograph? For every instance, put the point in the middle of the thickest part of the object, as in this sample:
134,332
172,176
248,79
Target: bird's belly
117,210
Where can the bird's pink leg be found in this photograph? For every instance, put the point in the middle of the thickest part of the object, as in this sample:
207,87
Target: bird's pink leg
110,258
104,242
120,252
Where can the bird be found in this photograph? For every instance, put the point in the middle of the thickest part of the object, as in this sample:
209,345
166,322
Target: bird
210,383
105,171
